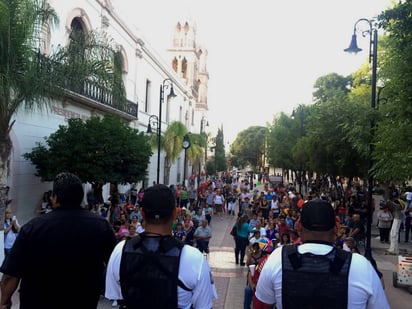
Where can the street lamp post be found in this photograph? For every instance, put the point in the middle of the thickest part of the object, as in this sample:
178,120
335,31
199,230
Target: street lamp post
154,123
203,123
186,144
373,55
157,120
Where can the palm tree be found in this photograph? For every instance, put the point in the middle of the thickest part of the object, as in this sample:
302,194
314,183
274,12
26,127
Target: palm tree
172,145
29,78
195,153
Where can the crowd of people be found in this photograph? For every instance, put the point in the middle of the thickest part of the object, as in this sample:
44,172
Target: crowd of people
158,227
140,221
270,218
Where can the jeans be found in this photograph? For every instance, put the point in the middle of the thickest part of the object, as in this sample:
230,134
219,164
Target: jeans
240,249
248,297
203,245
408,228
384,234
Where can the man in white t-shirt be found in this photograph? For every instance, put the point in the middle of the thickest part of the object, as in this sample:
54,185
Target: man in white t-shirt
257,238
260,228
317,274
194,284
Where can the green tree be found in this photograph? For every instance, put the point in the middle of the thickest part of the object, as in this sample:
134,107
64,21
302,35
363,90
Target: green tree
393,138
218,161
320,137
220,155
330,86
249,147
97,150
29,79
172,144
331,151
211,167
196,153
282,136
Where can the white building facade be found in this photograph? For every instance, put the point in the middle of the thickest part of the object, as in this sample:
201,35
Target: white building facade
143,74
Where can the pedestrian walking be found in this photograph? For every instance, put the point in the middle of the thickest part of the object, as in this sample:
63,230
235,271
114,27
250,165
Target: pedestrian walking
58,258
155,270
202,235
396,206
315,274
243,230
384,222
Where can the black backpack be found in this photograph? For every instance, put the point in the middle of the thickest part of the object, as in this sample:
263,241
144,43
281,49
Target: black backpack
315,281
149,279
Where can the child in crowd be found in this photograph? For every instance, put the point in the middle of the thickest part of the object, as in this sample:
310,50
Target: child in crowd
179,232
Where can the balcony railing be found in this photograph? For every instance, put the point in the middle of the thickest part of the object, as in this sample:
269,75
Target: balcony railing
99,94
91,91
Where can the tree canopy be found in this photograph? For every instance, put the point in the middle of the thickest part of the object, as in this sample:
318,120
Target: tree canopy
393,138
97,150
30,75
249,147
333,135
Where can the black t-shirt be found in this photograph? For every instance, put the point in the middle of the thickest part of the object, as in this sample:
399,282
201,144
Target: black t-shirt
361,227
60,258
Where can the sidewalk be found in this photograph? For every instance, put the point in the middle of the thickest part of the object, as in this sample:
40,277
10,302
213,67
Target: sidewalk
405,248
230,279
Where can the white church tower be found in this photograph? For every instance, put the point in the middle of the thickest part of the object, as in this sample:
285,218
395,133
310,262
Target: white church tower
189,61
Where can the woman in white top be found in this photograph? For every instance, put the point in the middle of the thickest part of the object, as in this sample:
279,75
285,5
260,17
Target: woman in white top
11,229
385,219
274,206
219,202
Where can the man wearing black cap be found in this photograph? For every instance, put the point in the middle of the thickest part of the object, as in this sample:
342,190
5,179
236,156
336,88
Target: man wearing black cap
154,270
59,258
315,274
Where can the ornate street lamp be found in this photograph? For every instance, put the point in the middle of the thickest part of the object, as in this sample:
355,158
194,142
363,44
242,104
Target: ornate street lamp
372,31
156,121
153,123
185,145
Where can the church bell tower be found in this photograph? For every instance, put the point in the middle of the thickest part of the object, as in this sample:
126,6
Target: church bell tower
189,61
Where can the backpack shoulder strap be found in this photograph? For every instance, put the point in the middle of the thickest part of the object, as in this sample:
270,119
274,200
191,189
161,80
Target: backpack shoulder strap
292,253
136,241
183,286
337,263
167,244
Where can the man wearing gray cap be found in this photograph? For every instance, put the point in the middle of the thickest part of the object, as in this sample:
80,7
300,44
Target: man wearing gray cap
315,274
